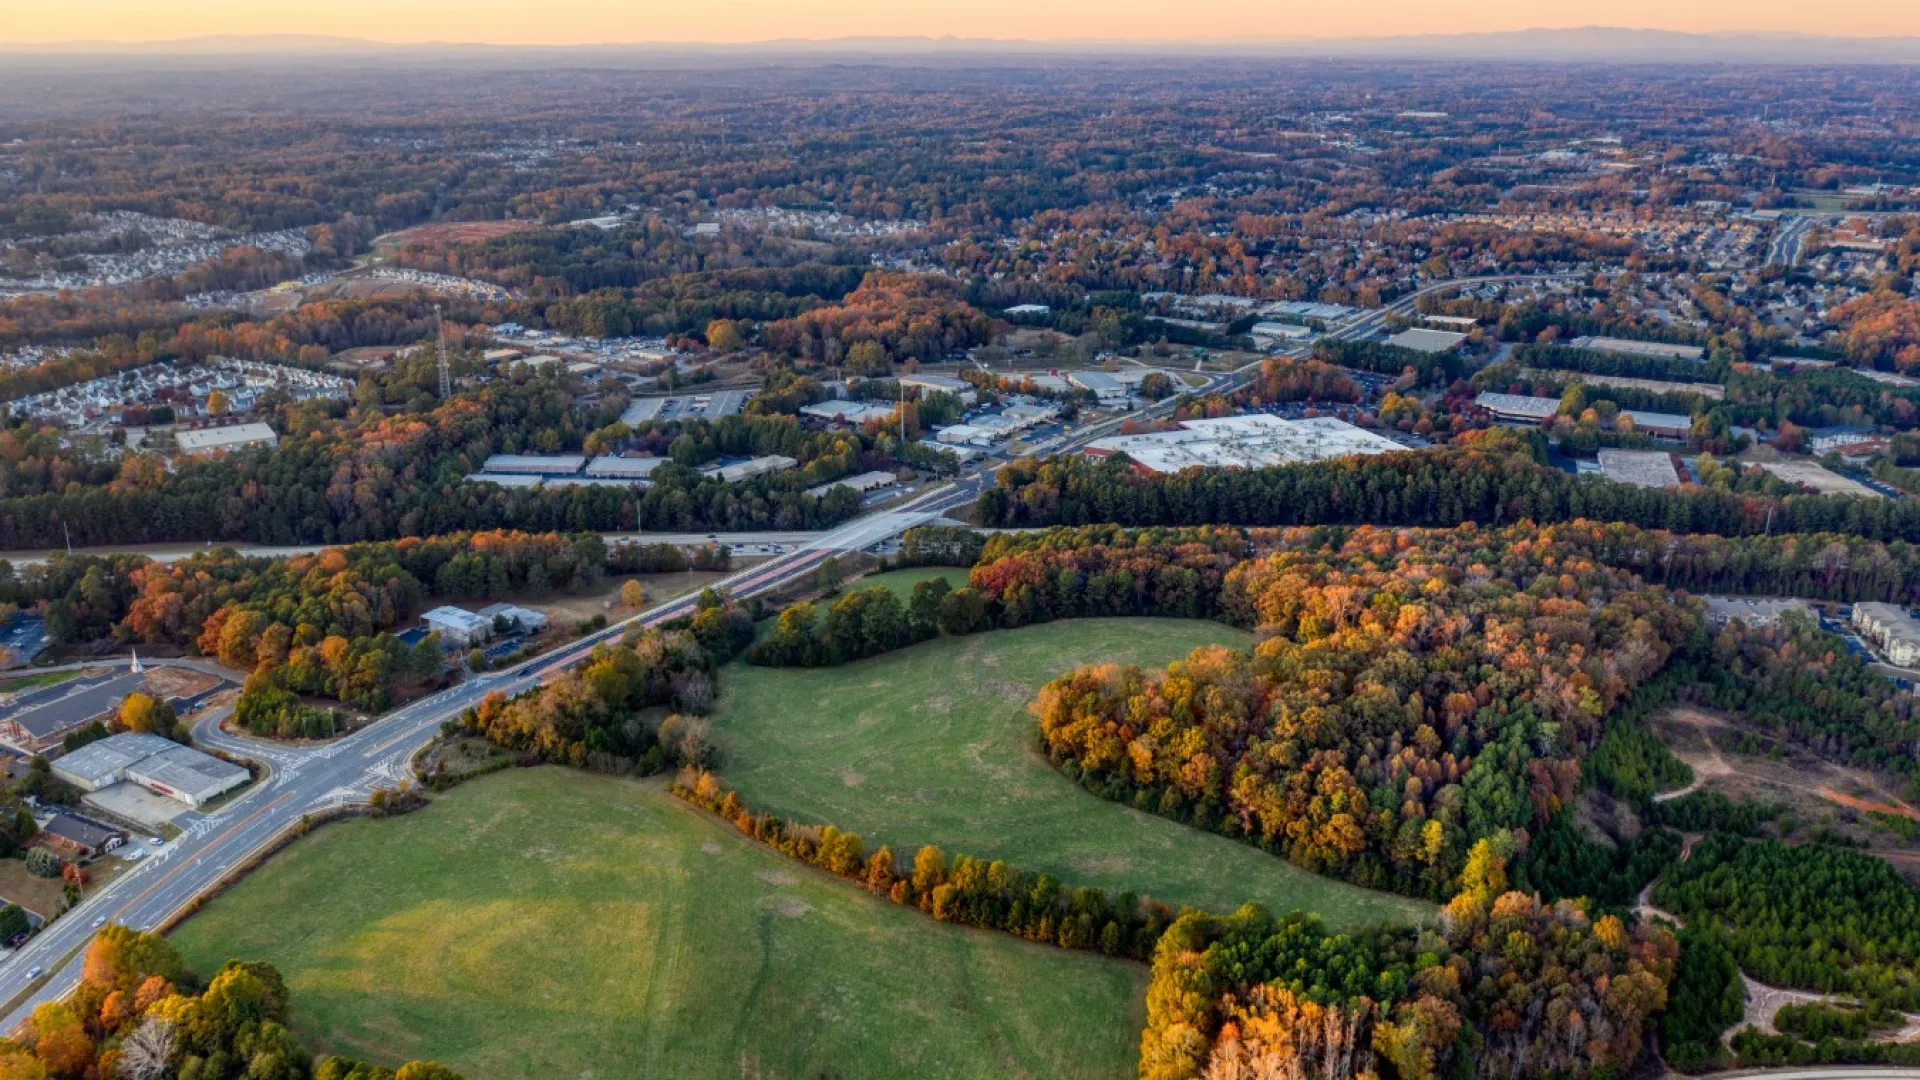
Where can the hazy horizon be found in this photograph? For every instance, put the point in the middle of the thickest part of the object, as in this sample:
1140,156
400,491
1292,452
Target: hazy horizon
1065,22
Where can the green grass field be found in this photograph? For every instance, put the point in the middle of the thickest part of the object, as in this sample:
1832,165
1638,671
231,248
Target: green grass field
30,682
934,745
547,924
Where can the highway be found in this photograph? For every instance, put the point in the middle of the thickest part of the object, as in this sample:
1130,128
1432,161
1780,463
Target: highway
305,780
1367,322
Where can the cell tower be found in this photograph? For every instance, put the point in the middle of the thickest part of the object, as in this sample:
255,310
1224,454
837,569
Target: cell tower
446,366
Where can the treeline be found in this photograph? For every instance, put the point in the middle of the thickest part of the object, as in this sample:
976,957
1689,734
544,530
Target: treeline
1411,694
1504,986
965,891
1012,586
586,717
138,1012
1810,916
1623,365
1429,488
1801,682
314,624
374,476
1440,367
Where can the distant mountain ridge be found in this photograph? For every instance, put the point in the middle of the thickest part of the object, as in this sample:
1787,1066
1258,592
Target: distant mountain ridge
1578,44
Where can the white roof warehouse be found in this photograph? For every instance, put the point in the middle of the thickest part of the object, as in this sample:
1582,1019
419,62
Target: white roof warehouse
160,765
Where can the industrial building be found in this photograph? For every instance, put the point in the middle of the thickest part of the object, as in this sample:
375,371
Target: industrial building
960,388
1665,425
746,470
535,464
708,406
1279,331
1892,630
523,620
1519,408
632,469
230,437
863,483
843,411
1420,339
1246,442
39,720
159,765
1106,389
1640,348
1641,468
458,626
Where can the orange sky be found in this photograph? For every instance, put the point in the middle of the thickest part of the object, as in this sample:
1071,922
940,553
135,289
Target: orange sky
558,22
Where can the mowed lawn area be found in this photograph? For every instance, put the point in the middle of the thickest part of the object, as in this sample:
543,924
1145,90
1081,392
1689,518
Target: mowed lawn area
544,923
934,745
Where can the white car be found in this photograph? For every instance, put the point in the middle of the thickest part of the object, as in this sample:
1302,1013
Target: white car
34,972
155,841
99,922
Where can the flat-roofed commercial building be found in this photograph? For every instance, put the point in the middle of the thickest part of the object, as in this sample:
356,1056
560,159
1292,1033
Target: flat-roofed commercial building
187,775
458,626
1420,339
842,411
229,437
1664,424
1242,442
1641,468
863,483
1630,347
608,467
752,467
159,765
534,464
1519,408
945,384
40,720
1104,386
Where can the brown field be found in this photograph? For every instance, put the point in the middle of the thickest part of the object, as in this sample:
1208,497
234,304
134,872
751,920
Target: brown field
1817,793
449,232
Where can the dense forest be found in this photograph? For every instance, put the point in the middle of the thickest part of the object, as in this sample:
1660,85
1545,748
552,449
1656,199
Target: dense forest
1505,986
1812,916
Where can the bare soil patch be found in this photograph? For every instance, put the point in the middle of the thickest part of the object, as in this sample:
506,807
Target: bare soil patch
448,232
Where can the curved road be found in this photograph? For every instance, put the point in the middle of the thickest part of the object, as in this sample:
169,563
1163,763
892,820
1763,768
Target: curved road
304,780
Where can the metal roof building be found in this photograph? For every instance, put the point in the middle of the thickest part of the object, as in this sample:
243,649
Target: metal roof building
161,765
1532,410
534,464
624,468
188,775
863,483
230,437
1423,340
1245,442
98,764
1641,468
